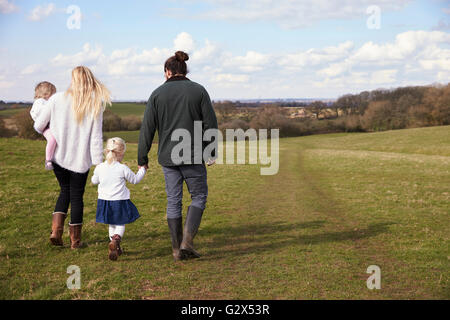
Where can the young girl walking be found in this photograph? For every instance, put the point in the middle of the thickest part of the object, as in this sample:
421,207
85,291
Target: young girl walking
114,206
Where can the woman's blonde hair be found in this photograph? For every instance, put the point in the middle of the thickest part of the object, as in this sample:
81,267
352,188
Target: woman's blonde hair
89,96
44,90
115,148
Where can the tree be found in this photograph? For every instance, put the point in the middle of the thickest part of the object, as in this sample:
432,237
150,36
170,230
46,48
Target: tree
377,116
316,107
24,124
4,130
439,100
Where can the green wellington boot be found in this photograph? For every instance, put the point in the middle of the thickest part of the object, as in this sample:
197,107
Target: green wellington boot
193,219
176,232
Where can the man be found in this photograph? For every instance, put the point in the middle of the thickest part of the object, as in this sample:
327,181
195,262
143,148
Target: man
176,105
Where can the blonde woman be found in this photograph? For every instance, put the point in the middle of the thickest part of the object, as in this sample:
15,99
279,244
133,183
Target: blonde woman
75,118
114,206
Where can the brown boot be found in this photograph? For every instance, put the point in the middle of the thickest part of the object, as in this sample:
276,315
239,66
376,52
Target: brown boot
75,236
57,228
114,247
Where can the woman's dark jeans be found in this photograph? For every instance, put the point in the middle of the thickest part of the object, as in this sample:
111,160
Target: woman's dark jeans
72,190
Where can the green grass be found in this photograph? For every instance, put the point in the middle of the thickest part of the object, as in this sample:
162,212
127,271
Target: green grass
125,109
128,136
7,113
340,203
120,108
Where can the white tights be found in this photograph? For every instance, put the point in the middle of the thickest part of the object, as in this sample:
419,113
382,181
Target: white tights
116,229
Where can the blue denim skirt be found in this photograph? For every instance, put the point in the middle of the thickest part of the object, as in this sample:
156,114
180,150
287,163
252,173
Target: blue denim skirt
117,212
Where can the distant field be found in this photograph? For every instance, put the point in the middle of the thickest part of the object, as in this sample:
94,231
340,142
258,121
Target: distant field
128,136
119,108
125,109
340,203
10,112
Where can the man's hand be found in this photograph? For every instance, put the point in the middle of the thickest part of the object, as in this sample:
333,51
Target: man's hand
144,166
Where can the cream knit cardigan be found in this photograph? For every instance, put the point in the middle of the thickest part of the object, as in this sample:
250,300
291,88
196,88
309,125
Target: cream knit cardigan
79,145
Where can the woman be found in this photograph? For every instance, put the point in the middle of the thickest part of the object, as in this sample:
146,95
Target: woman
76,118
176,105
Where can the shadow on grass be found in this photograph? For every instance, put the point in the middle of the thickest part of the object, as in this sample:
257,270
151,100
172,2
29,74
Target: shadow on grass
151,253
241,240
260,238
257,238
259,228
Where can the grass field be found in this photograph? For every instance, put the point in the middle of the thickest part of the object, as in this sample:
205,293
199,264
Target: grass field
120,108
340,203
7,113
128,136
125,109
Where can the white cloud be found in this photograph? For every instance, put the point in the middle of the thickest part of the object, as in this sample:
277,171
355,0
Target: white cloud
184,42
436,64
131,61
134,62
335,69
234,78
89,56
121,54
362,80
293,13
7,6
406,45
314,57
31,69
41,12
383,76
206,53
6,84
411,52
443,76
414,57
251,62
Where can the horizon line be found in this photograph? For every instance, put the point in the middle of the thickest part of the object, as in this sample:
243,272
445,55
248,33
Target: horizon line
213,100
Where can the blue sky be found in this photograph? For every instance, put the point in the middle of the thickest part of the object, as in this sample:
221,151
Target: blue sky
238,49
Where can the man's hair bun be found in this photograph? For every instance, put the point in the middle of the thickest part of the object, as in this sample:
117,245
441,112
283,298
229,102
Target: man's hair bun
176,64
181,56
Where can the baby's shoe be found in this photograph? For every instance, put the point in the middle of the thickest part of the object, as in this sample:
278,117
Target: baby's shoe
114,248
48,165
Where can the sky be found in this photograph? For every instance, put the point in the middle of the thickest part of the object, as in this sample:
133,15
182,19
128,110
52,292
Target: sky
253,49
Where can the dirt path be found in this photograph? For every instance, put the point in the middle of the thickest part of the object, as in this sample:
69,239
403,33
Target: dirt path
299,195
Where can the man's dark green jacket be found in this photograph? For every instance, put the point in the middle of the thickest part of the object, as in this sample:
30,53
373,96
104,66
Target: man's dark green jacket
176,104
